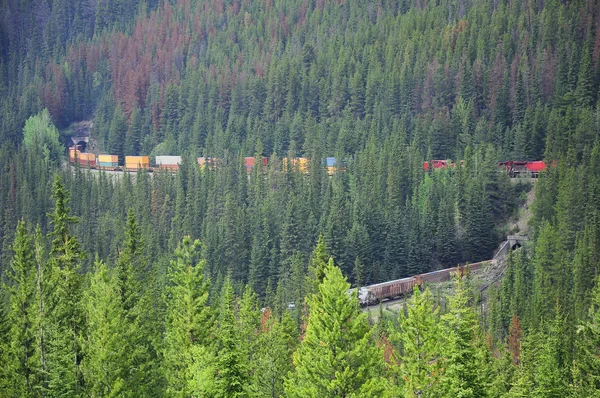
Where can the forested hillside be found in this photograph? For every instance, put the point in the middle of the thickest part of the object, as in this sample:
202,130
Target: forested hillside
150,284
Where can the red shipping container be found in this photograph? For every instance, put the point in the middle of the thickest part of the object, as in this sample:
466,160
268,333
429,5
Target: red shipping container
536,167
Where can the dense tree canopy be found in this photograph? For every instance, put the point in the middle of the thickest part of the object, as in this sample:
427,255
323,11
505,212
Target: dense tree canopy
218,282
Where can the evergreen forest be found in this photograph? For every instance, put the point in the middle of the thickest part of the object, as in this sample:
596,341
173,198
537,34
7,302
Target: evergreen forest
219,282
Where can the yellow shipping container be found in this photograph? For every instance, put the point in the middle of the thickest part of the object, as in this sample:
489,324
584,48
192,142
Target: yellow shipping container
87,156
303,165
137,162
108,158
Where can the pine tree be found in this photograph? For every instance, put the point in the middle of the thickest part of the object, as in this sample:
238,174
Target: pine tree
588,345
464,374
274,357
117,133
45,280
66,321
105,364
419,336
21,361
5,373
139,306
337,356
131,264
317,265
232,379
189,318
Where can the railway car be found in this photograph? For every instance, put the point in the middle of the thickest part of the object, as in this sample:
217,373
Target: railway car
135,163
170,163
435,276
87,160
108,162
73,155
83,159
301,164
207,162
374,294
250,161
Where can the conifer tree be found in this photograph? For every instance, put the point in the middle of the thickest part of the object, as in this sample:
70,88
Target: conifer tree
44,283
317,265
65,320
337,357
188,322
419,335
139,304
232,378
20,361
588,347
4,347
277,343
464,374
131,264
105,364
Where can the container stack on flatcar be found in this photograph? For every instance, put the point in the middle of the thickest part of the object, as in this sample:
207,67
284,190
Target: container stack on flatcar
331,164
87,160
108,162
73,154
135,163
170,163
250,161
300,164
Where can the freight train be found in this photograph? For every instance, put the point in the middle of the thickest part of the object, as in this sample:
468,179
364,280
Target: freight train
172,163
330,164
374,294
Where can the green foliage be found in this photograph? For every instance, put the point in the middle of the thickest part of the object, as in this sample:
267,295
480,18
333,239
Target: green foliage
276,345
188,322
40,137
420,339
66,319
232,366
337,356
20,361
106,358
588,362
381,86
464,360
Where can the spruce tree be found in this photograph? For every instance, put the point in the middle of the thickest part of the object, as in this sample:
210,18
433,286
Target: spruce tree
277,343
588,347
337,357
189,317
105,364
232,378
21,361
465,371
317,265
66,322
420,338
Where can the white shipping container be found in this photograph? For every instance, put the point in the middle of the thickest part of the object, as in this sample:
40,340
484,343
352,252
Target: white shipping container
168,160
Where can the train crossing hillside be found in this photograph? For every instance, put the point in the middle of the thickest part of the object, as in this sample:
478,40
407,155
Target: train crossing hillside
483,274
